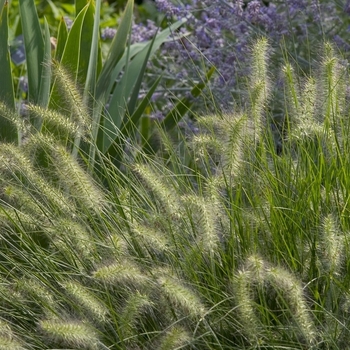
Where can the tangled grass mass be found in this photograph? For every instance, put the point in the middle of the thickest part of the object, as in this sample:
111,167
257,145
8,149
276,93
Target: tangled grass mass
230,234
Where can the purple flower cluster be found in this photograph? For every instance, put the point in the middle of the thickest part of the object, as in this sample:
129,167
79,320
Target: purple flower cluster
108,33
143,31
222,31
140,32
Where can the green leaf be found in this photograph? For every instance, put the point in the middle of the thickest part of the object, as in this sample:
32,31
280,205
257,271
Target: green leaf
70,56
44,92
79,5
34,46
61,39
130,124
92,21
71,52
115,53
105,79
7,129
6,86
86,42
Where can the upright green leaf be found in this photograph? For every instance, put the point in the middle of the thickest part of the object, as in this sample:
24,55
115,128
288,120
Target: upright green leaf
130,124
6,86
7,129
61,39
178,112
79,5
93,67
115,52
183,106
34,46
71,53
44,92
104,80
2,5
86,42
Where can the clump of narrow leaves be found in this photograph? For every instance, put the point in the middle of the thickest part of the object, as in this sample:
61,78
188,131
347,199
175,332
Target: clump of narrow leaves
221,242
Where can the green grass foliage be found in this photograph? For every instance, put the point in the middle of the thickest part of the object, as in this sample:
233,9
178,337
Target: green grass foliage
234,237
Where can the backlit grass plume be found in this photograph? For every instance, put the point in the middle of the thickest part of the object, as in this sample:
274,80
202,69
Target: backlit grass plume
70,333
259,84
8,340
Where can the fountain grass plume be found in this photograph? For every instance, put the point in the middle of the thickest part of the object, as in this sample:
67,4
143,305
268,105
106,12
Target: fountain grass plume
175,338
160,188
126,272
259,85
57,123
254,279
87,299
291,92
73,239
331,86
330,250
75,181
74,333
78,111
35,290
8,340
73,100
154,240
203,217
18,166
133,313
181,297
18,122
290,289
221,142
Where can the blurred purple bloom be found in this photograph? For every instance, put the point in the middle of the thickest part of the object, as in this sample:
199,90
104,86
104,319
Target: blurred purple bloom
143,32
253,10
108,33
347,7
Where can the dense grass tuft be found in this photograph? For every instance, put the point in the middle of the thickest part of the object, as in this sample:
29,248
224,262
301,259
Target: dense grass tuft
233,237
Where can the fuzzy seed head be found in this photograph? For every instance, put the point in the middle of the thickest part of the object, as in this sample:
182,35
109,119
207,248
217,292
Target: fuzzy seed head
176,338
120,272
78,181
331,247
38,292
70,333
60,124
135,309
154,239
71,96
180,295
8,340
13,161
162,190
204,216
292,291
86,298
241,284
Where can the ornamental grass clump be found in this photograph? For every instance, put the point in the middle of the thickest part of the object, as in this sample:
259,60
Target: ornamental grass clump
215,240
